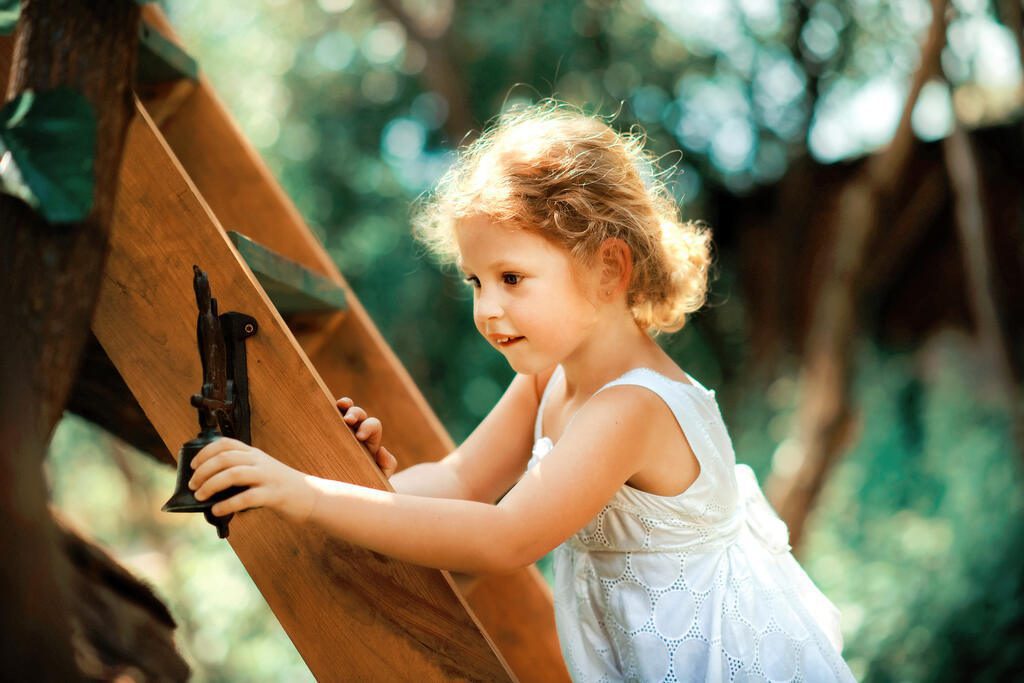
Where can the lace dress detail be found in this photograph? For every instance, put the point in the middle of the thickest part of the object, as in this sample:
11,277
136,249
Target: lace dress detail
701,586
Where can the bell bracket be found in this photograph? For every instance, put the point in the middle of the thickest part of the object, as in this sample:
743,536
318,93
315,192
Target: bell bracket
223,401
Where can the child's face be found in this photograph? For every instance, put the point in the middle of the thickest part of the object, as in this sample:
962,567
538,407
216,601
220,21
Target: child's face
523,286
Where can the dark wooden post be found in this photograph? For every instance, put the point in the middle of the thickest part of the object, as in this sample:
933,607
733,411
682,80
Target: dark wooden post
50,282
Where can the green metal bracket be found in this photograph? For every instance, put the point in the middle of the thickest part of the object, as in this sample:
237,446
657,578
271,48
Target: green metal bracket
292,287
160,60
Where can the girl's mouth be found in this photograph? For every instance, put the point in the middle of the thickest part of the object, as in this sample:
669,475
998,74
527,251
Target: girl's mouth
509,342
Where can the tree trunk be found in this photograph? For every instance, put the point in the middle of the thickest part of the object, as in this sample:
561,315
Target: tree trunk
986,304
826,423
50,285
121,627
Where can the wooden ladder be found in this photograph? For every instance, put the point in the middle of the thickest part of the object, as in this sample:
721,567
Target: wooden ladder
192,190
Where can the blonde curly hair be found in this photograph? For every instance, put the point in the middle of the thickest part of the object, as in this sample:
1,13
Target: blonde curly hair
568,176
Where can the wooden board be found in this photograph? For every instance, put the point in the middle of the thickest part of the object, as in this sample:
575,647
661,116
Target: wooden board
352,614
347,349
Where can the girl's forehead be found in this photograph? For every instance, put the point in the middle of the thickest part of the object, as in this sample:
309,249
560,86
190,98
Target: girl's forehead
483,242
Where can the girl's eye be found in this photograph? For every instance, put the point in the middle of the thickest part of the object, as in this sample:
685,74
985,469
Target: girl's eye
516,279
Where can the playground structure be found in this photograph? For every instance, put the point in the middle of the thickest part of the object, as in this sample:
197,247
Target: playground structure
192,190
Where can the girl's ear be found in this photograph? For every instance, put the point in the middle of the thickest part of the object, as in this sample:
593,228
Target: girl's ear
616,259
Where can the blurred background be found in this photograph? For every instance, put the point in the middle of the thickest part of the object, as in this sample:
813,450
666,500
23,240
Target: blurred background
864,323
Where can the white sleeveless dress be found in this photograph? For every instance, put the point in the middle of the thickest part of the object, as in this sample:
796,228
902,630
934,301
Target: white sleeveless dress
696,587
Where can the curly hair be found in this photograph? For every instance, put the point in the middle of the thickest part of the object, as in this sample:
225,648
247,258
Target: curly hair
568,176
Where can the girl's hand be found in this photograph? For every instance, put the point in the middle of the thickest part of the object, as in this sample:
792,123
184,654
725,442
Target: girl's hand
369,430
272,484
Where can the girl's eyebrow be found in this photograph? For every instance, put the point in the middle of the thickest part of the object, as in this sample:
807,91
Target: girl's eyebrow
498,265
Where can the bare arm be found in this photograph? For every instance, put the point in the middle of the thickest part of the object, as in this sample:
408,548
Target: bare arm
429,479
490,460
599,452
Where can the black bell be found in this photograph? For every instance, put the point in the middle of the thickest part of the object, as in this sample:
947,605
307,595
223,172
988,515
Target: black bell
184,499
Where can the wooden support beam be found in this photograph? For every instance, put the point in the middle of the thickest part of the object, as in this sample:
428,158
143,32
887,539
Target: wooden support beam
348,350
352,614
100,396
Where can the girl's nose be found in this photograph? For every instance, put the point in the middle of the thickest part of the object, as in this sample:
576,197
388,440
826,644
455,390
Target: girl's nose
487,307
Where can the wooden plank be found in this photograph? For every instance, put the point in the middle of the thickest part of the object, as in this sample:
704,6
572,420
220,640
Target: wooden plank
348,350
352,613
291,286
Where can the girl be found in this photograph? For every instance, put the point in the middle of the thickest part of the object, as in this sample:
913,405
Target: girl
669,563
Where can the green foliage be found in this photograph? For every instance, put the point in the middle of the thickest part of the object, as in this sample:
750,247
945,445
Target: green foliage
47,151
917,528
10,10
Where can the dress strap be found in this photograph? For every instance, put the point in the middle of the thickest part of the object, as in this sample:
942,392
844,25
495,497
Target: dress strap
538,427
693,407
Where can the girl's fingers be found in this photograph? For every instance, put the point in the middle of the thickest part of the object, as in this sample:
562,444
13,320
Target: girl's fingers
354,414
371,431
245,500
367,429
208,451
387,462
216,463
242,475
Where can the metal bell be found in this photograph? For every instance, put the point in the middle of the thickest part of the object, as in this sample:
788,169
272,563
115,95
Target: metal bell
184,499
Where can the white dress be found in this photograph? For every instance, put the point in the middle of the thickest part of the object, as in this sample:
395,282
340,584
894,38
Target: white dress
696,587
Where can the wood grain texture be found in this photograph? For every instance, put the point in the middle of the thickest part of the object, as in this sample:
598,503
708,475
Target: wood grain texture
347,349
352,613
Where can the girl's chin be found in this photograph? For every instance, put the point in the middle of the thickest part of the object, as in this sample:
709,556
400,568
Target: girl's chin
526,366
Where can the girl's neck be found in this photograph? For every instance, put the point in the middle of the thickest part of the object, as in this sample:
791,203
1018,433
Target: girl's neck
606,355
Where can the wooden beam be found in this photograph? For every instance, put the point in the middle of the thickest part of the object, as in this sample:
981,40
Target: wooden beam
101,396
348,351
352,613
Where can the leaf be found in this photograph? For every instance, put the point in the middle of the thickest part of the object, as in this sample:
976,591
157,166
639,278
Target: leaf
47,152
10,10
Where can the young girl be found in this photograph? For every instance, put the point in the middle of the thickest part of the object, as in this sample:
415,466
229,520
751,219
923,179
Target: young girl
669,563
